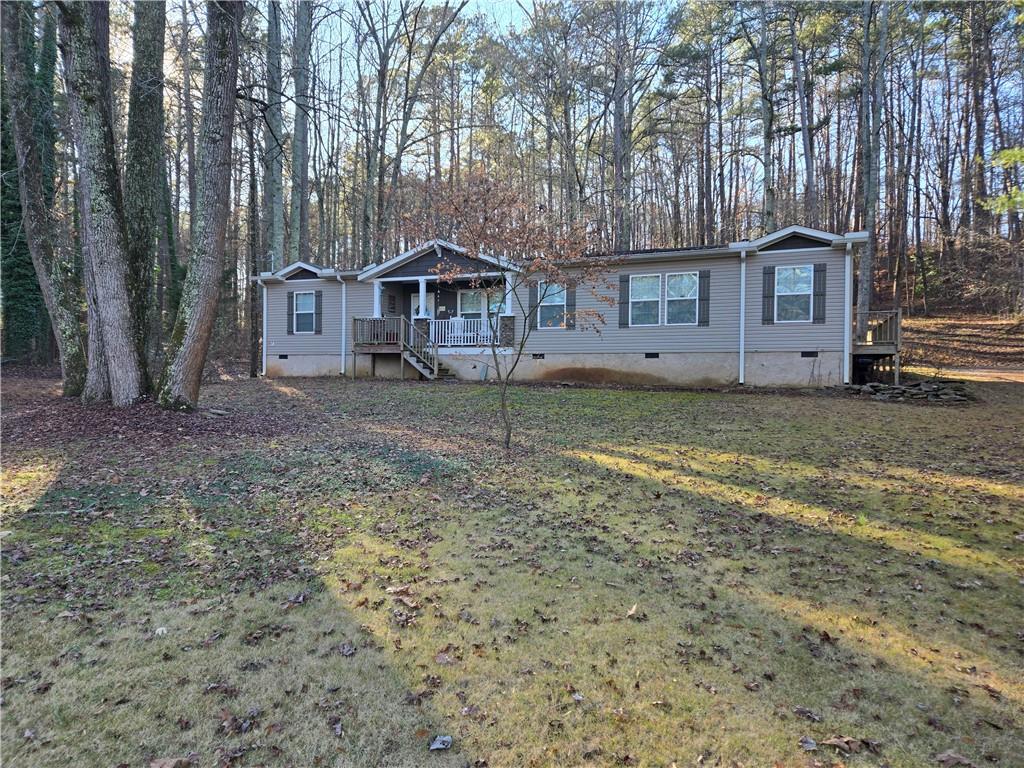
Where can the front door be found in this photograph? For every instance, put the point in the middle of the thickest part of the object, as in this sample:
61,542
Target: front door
416,305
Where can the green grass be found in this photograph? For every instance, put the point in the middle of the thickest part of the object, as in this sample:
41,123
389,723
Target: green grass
650,578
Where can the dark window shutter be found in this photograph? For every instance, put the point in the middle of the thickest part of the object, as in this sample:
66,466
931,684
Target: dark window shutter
704,297
819,293
768,297
570,307
623,301
532,306
291,312
318,325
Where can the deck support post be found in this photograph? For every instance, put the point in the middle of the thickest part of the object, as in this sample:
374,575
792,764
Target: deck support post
376,298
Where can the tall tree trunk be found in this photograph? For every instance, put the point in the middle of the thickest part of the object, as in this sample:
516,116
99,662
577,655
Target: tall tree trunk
806,129
767,124
871,100
144,159
60,292
85,33
622,234
298,232
190,123
273,173
252,228
190,340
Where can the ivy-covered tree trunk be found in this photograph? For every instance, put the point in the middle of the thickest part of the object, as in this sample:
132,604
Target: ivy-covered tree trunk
85,33
60,292
190,339
143,177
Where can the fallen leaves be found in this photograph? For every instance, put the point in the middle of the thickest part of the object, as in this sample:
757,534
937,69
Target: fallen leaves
347,649
950,759
806,713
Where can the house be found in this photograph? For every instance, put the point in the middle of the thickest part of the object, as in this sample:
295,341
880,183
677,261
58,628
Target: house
775,311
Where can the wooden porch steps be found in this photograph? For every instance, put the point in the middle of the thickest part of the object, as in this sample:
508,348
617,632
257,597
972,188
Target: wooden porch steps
443,372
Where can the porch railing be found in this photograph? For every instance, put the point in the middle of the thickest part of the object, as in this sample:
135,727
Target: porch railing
878,328
378,330
461,332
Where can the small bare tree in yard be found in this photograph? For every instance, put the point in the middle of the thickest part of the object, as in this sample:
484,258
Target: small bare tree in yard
529,266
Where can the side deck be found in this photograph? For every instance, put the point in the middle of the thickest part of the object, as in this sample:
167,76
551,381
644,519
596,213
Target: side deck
877,341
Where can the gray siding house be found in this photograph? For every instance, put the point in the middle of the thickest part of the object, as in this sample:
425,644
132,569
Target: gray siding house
776,311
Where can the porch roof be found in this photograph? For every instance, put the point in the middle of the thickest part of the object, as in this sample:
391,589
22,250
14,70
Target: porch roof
438,250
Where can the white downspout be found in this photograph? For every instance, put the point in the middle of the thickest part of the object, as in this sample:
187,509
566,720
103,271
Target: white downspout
376,298
264,345
743,317
344,324
847,312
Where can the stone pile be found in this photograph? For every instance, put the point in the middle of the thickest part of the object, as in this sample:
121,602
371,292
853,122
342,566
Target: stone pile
931,391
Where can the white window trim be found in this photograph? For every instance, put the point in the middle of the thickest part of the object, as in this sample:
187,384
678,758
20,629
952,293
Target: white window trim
637,301
695,299
540,303
809,294
296,313
458,302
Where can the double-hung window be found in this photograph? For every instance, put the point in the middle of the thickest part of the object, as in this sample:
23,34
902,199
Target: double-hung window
681,291
470,304
793,291
305,311
550,305
644,300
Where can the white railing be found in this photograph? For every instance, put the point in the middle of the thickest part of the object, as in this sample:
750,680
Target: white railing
460,332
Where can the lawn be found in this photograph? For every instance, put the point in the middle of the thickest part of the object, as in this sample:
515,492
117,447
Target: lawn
322,572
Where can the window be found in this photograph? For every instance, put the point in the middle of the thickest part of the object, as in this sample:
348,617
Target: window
305,312
793,288
470,303
550,305
681,298
644,299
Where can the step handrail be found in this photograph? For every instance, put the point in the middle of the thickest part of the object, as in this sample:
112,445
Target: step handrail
420,345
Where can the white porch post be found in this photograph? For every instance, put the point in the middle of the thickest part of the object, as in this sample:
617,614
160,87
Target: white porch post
423,298
506,305
376,298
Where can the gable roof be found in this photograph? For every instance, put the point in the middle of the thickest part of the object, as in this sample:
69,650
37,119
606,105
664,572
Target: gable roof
323,273
377,270
796,230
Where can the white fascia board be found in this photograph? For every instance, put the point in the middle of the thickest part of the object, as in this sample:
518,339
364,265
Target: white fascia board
774,237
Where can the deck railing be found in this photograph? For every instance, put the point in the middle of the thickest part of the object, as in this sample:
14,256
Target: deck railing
461,332
378,330
878,328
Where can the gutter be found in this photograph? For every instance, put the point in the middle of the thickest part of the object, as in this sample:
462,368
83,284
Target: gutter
344,324
847,310
743,317
263,341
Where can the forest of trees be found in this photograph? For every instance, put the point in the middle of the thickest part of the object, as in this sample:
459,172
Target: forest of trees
156,155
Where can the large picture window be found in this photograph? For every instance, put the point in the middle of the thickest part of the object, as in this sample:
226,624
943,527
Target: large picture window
681,291
645,299
305,312
793,290
550,305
